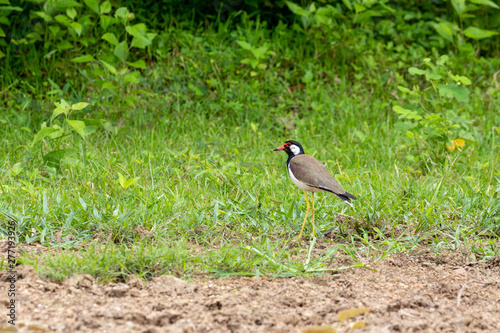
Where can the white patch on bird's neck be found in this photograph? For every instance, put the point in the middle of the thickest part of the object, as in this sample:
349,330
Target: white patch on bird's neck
295,149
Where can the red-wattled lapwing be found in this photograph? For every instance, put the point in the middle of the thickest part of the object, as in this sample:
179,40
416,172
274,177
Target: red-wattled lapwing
310,175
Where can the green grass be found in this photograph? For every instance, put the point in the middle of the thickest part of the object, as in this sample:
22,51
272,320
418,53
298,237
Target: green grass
213,198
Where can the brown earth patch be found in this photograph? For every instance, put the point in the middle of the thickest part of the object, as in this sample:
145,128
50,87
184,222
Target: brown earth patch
421,293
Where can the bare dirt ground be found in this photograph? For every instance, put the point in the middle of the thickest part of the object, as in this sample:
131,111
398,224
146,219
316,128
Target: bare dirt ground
421,293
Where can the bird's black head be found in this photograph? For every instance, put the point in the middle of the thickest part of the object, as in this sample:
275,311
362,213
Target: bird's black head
292,148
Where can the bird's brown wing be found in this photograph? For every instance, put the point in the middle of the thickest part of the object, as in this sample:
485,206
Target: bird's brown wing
309,170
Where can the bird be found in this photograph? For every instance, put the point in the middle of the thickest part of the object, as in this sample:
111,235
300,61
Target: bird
310,175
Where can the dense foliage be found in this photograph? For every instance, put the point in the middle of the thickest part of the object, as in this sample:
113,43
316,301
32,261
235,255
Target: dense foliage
42,39
129,124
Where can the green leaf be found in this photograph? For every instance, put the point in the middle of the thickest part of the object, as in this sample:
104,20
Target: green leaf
486,3
91,125
53,6
105,21
43,133
359,8
34,36
53,84
2,33
63,107
434,75
140,42
77,27
109,67
62,104
79,106
106,7
260,52
348,4
461,93
64,45
308,77
365,16
252,62
108,85
64,20
296,9
89,130
127,182
404,89
121,51
137,29
85,58
244,45
133,77
417,71
122,14
78,126
94,5
452,90
406,113
54,29
445,30
82,202
137,64
400,110
151,35
462,79
92,122
53,158
459,6
16,169
111,38
443,60
15,8
477,34
44,16
71,12
323,16
404,126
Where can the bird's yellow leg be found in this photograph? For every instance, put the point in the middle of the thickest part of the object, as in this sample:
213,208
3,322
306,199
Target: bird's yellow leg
307,212
313,211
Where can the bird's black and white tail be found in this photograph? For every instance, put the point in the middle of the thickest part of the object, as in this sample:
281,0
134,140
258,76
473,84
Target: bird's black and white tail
346,197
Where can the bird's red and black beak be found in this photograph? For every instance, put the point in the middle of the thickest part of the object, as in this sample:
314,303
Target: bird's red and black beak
280,148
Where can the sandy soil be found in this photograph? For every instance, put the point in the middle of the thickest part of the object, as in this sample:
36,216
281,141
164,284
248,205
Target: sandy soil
421,293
